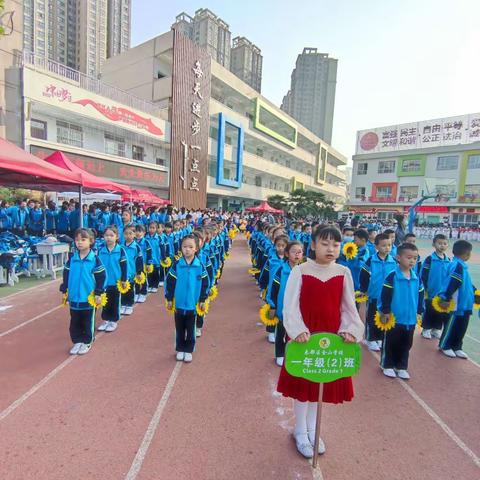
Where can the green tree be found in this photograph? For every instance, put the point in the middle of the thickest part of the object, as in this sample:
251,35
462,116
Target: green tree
277,201
303,203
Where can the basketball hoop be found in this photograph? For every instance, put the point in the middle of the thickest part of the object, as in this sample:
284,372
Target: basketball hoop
442,198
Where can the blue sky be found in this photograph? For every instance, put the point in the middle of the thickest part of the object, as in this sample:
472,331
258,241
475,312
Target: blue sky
399,61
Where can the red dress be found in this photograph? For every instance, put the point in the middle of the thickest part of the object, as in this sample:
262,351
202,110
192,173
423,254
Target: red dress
320,305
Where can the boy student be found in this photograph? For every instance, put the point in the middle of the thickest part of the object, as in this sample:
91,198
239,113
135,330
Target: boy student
347,234
461,289
411,238
402,296
434,277
372,276
391,236
360,238
372,233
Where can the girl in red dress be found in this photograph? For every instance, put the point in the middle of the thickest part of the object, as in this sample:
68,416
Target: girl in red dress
319,297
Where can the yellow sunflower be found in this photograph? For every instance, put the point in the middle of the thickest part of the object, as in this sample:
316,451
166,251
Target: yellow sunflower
167,263
265,319
477,295
170,310
103,300
350,250
148,268
384,326
65,299
123,289
213,293
203,312
253,271
438,308
140,279
361,297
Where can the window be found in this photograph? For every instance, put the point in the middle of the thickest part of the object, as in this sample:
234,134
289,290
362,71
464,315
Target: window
114,145
69,134
472,191
360,192
447,163
386,166
38,129
258,181
384,192
362,168
411,166
137,153
462,219
473,161
408,193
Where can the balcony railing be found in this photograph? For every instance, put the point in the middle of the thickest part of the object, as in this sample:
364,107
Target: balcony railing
377,199
89,83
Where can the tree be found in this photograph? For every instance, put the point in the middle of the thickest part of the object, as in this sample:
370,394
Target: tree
305,203
277,201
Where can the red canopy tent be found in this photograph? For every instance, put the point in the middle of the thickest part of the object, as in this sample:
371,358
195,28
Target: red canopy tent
24,170
264,207
144,196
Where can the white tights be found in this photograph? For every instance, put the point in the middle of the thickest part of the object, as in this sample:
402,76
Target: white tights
305,419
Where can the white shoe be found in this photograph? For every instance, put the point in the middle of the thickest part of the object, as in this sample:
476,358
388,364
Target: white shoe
427,334
103,326
122,310
461,354
436,333
85,348
111,327
372,346
142,298
279,361
128,310
149,290
389,372
135,298
74,350
271,337
379,343
160,284
403,374
449,353
154,290
188,357
198,332
321,444
304,446
180,356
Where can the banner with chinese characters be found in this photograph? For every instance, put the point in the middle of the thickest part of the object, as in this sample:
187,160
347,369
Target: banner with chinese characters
461,130
190,123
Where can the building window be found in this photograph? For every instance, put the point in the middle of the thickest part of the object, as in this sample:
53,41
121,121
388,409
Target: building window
69,134
160,161
387,166
472,191
408,193
447,163
473,161
360,192
362,168
38,129
258,181
384,192
114,145
462,219
137,153
411,165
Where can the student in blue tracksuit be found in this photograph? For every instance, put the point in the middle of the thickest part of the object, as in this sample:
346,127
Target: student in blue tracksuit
372,233
459,288
412,238
156,246
402,296
141,290
114,259
164,252
83,275
187,286
19,215
92,217
63,220
170,239
5,219
103,219
35,220
293,257
51,215
372,276
134,267
74,218
391,234
360,238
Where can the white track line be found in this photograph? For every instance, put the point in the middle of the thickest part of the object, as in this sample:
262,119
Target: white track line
13,329
316,472
437,419
45,284
152,427
472,338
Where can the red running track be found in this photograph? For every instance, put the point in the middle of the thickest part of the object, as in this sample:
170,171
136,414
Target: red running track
127,410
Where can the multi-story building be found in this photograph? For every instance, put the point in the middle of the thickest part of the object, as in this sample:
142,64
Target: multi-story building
311,98
78,33
246,62
227,139
102,129
398,165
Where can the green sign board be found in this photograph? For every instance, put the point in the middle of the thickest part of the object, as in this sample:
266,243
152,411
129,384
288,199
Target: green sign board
323,359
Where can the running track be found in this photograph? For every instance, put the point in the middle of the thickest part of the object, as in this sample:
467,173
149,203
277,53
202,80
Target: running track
128,410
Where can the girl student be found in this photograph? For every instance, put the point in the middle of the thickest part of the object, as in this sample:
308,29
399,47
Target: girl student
141,289
319,297
186,287
134,268
276,293
154,240
114,259
84,276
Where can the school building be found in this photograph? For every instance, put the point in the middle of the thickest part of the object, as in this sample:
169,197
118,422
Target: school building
395,166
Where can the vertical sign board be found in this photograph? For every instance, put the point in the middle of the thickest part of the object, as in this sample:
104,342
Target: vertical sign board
190,123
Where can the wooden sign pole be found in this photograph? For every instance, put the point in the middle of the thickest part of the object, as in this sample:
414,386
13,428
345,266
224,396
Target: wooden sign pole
318,424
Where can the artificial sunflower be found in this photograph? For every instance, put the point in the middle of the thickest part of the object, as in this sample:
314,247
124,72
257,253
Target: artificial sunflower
232,234
227,256
384,326
419,321
264,294
477,295
140,279
438,308
213,293
265,319
253,271
65,299
103,300
361,297
203,312
166,263
123,289
350,250
148,268
218,274
170,310
178,256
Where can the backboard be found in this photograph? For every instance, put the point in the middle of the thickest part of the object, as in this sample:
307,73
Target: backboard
443,189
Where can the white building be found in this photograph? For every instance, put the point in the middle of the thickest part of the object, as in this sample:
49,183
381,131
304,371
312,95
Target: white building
246,62
395,165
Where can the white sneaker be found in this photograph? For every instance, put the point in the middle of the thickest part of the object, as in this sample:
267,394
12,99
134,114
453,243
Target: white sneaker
103,326
372,346
154,290
304,446
85,348
149,290
128,310
122,310
271,337
427,334
379,343
188,357
461,354
449,353
160,284
180,356
403,374
111,327
321,444
135,298
74,350
436,333
389,372
198,332
142,298
279,361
